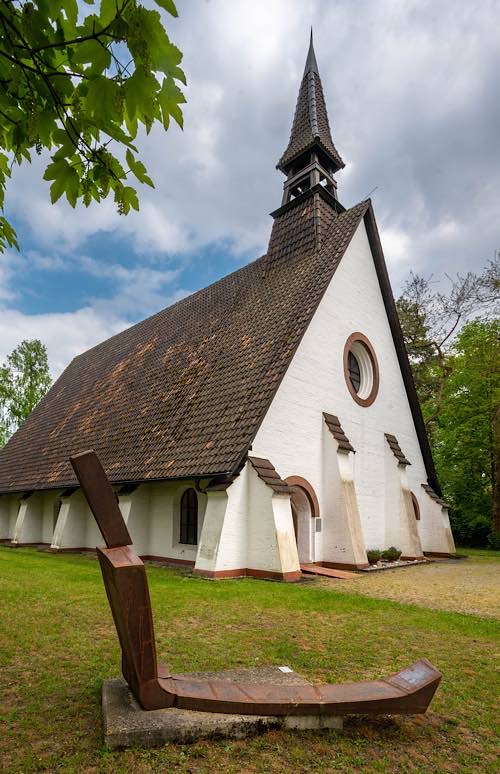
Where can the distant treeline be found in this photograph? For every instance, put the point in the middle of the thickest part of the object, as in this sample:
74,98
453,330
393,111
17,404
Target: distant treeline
453,342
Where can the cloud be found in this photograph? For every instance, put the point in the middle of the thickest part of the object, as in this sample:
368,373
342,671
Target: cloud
411,90
410,114
65,334
137,291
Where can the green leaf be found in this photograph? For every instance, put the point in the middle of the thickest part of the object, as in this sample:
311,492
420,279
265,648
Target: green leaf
138,169
139,91
102,99
90,51
46,125
108,11
68,24
65,179
169,97
7,235
168,5
126,197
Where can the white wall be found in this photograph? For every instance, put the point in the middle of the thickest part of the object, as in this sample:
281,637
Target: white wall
434,526
164,524
135,511
247,526
292,432
391,535
9,507
48,514
341,535
28,527
151,513
271,538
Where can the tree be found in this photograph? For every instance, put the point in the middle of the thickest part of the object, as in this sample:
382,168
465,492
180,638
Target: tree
81,84
467,443
430,319
24,380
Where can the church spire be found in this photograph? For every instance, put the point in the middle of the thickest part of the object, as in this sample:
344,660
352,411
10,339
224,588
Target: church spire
310,143
311,63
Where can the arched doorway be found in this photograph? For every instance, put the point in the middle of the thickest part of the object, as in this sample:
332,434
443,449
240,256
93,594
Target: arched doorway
303,524
304,505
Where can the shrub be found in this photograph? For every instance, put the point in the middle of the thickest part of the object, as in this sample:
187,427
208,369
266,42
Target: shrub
494,541
391,554
373,555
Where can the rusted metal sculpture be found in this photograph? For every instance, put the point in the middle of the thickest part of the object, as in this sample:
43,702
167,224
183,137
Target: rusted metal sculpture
408,691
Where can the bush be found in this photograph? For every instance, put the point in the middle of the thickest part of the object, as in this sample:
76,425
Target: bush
373,555
471,530
494,541
391,554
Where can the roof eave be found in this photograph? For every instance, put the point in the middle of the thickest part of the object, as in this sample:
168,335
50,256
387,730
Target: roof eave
286,160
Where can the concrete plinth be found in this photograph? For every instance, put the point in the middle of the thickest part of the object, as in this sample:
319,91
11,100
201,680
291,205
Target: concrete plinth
125,724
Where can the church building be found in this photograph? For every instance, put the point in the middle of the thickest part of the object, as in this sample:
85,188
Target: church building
265,422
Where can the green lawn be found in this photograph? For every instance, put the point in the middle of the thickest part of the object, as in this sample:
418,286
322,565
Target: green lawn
57,643
486,552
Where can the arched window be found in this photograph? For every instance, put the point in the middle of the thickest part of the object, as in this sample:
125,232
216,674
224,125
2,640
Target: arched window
189,518
416,509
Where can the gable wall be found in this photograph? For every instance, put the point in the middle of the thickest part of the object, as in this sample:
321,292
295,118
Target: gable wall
291,433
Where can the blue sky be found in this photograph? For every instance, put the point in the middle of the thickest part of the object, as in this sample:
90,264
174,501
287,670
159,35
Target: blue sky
412,94
91,274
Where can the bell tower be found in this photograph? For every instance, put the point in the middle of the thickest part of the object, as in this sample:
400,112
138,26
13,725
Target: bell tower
310,162
310,158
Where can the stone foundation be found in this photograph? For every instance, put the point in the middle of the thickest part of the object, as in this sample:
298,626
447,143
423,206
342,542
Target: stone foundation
126,724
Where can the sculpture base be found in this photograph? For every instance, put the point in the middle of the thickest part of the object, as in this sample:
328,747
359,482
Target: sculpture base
126,724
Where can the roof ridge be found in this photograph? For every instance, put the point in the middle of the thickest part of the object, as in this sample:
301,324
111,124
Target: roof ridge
363,206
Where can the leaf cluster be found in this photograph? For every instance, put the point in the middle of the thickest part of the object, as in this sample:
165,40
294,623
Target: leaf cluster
467,438
81,83
431,319
24,380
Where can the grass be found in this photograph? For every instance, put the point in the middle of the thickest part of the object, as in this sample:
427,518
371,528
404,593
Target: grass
487,553
57,643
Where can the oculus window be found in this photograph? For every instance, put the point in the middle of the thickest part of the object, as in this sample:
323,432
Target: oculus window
361,369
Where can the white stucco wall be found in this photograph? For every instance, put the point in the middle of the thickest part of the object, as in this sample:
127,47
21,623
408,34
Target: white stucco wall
135,511
9,507
270,534
292,433
434,526
341,539
29,522
247,527
151,513
48,515
392,476
163,515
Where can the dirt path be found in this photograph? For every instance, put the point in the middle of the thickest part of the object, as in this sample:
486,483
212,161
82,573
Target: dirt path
469,585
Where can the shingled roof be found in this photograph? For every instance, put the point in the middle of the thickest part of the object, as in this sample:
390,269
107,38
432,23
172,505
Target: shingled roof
183,393
310,124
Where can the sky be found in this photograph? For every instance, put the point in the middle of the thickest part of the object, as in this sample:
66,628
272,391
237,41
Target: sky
412,91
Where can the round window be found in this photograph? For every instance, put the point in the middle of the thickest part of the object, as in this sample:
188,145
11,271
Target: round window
361,369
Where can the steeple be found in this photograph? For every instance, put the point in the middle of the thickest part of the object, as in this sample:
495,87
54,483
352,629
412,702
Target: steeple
311,63
310,158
